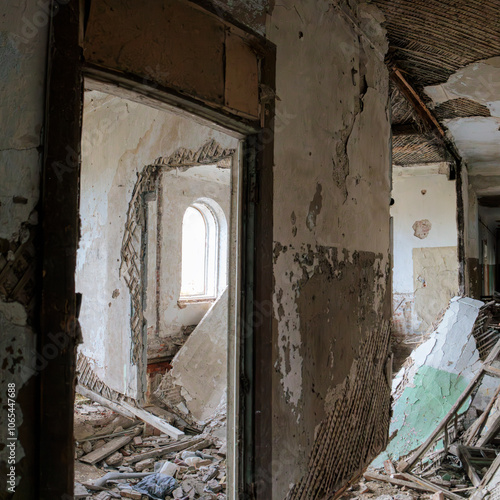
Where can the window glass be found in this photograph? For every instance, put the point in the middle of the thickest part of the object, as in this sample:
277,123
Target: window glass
194,253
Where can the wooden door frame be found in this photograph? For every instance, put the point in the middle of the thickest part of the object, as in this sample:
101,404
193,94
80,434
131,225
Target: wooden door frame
59,243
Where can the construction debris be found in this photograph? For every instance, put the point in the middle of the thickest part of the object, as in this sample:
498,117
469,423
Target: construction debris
460,456
131,459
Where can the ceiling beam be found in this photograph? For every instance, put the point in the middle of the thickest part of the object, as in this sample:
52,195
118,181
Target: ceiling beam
429,120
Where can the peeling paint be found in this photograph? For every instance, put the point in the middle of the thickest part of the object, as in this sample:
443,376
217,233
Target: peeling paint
422,228
314,208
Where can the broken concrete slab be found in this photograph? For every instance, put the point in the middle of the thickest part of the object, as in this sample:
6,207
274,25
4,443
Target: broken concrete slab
437,373
200,367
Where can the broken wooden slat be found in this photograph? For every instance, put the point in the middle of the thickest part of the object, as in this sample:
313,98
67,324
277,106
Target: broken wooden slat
153,420
172,448
478,425
433,487
491,432
104,451
372,476
464,456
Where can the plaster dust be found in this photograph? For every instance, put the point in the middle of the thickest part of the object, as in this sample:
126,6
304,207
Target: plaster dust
331,256
120,138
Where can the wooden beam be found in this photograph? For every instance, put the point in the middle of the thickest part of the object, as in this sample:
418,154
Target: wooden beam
153,420
171,448
372,476
426,115
105,451
84,391
433,487
418,104
60,225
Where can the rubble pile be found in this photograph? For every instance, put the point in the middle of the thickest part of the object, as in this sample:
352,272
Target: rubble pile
457,455
120,457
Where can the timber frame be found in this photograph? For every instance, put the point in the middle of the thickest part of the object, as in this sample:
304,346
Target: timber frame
60,236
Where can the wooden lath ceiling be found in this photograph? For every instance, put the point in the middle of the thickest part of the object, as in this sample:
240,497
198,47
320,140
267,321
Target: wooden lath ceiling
430,40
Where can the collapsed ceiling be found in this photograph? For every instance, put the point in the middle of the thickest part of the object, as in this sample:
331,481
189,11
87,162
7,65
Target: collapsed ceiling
448,53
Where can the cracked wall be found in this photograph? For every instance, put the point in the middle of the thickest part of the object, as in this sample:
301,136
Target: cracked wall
331,231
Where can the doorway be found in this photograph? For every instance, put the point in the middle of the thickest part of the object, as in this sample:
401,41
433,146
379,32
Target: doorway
158,270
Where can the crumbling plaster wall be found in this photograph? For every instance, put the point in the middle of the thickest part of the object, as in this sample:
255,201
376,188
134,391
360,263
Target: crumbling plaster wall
331,230
425,272
181,188
22,81
120,138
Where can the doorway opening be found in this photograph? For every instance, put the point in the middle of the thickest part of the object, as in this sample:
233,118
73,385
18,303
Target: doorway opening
488,235
158,273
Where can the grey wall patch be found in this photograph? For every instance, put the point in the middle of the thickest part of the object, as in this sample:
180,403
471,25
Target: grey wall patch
314,208
422,228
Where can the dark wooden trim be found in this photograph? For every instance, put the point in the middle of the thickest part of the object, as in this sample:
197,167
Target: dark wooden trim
462,264
59,332
264,286
108,80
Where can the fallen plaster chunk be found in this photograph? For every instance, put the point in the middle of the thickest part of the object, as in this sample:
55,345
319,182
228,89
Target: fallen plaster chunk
439,370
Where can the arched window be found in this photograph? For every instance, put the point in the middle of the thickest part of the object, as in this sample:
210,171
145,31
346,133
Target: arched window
204,251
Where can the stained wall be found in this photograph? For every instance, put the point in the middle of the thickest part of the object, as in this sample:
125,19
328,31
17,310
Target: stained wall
425,272
331,249
23,42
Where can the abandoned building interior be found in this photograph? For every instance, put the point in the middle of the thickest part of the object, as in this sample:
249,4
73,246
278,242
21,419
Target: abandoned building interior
248,249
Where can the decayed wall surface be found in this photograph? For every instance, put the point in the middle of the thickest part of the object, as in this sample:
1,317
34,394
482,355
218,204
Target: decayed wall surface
120,138
331,255
23,42
425,273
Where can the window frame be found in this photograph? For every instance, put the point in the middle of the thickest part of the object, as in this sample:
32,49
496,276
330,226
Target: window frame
211,257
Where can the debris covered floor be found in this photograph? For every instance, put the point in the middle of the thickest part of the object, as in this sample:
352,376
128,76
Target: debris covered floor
119,457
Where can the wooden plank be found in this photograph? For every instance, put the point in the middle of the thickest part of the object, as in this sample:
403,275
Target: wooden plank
172,448
156,422
490,473
479,423
105,451
433,487
372,476
491,432
84,391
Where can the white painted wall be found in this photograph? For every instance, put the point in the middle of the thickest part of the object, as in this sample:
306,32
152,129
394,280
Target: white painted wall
438,205
120,137
181,189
